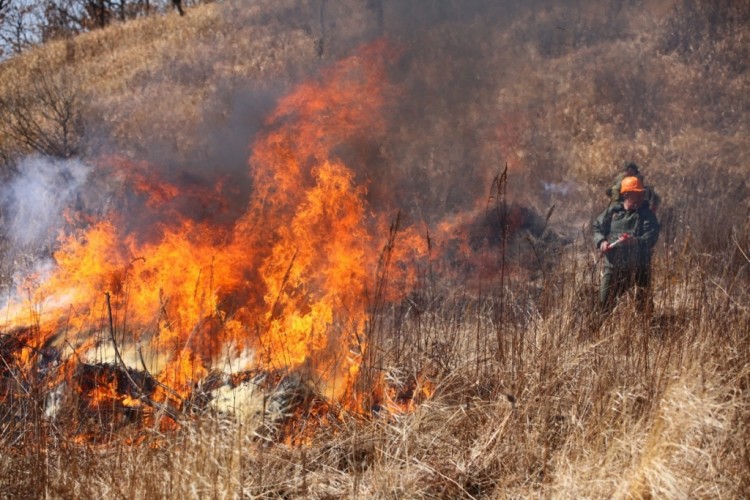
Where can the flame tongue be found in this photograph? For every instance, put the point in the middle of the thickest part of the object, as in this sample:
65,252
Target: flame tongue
309,207
316,270
287,281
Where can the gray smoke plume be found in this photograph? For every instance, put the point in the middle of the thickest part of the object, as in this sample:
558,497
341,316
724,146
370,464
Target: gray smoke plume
34,202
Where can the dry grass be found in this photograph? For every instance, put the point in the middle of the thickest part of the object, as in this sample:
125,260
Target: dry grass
634,408
533,398
158,79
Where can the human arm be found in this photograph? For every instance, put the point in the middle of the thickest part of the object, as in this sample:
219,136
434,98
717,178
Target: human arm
601,227
650,228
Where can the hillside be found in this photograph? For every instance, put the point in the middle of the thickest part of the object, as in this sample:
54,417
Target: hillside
324,249
561,95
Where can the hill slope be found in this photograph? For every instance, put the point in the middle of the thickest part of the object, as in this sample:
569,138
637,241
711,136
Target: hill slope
269,146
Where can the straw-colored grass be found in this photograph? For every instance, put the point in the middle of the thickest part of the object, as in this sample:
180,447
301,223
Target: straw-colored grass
534,396
633,407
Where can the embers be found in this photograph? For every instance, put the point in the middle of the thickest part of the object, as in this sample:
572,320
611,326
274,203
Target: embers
107,384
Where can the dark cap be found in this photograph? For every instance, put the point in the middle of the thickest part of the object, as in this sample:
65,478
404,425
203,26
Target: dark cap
631,166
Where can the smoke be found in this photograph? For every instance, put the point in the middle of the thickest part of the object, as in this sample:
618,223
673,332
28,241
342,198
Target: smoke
561,93
35,201
468,88
441,151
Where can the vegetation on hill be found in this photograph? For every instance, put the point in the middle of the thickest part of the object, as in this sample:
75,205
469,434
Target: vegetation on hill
504,384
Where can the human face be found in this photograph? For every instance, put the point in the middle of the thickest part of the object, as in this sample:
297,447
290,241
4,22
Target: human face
632,200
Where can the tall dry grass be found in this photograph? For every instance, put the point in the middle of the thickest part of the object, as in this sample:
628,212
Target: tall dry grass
533,395
566,406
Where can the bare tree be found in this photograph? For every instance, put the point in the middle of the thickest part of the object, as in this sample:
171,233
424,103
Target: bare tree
16,26
45,118
62,18
321,45
99,12
26,22
4,8
376,7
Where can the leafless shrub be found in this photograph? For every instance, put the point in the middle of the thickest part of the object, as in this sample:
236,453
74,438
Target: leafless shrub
46,118
706,30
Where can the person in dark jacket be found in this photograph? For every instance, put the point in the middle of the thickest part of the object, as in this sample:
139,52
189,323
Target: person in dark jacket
626,233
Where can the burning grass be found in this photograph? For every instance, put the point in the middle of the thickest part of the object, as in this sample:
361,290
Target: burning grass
634,407
193,337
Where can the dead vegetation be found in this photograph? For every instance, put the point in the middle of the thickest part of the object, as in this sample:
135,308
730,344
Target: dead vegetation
639,407
528,395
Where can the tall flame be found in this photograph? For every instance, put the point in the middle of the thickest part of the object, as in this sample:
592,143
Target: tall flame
287,281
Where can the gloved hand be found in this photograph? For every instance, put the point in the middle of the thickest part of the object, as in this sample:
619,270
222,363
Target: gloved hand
626,239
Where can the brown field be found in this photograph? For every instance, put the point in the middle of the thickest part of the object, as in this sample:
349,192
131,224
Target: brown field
495,378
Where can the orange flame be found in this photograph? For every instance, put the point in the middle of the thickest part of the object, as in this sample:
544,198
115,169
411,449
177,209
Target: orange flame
287,281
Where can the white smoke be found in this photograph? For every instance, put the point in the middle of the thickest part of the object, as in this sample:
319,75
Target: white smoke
35,200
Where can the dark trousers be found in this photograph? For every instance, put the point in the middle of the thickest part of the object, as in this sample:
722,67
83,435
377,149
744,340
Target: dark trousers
618,280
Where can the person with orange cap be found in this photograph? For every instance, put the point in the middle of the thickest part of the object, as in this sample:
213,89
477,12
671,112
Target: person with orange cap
626,233
630,169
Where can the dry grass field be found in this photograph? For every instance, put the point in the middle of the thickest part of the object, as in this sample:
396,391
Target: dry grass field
310,249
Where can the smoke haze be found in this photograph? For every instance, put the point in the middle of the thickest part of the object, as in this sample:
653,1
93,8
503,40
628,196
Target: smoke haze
36,199
560,93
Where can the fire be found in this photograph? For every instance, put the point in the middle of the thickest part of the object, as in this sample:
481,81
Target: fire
316,269
287,280
401,396
311,208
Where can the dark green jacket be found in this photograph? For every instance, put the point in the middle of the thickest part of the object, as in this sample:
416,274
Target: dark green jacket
615,221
